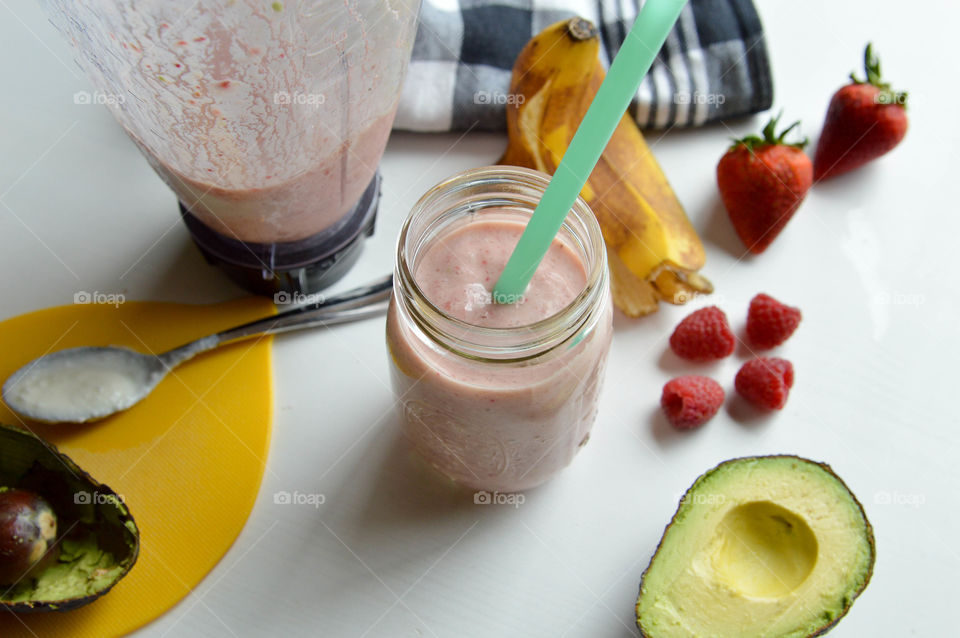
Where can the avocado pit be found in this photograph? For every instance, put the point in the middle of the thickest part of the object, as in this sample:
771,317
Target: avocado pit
28,534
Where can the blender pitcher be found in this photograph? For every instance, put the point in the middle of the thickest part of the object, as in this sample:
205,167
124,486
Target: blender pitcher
267,119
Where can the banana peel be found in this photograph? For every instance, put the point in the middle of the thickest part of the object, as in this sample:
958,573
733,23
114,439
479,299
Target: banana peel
653,250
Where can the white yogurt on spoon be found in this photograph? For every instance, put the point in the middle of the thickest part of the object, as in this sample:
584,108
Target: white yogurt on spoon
83,385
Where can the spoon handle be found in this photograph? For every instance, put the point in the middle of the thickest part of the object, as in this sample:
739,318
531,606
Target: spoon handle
358,303
315,314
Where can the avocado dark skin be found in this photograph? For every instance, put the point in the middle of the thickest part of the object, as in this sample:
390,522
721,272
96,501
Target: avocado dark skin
28,532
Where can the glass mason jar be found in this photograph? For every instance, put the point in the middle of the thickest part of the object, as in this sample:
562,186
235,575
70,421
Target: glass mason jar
498,409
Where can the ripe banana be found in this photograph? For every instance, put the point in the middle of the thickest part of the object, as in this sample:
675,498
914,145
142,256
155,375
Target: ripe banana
653,250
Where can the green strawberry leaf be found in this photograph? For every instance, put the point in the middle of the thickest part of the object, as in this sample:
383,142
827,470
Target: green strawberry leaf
770,137
871,65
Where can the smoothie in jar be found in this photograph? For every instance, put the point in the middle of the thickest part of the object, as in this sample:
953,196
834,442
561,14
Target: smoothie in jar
497,396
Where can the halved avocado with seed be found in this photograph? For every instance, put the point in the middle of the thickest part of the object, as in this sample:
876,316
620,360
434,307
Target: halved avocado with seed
65,538
771,546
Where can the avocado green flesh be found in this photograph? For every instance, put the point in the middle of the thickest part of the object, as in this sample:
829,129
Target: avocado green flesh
83,569
763,547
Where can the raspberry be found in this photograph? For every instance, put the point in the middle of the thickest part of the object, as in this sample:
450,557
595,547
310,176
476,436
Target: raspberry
703,335
769,322
765,382
691,401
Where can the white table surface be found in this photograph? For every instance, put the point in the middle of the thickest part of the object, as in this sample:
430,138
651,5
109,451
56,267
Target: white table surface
869,258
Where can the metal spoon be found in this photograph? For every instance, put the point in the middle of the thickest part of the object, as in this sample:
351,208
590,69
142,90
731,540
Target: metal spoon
88,383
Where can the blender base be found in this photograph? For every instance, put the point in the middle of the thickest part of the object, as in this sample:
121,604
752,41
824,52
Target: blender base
303,266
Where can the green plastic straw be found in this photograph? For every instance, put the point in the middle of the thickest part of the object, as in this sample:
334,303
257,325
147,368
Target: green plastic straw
611,101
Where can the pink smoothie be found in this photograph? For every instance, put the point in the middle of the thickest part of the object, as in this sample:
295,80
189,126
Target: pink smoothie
494,425
268,119
458,272
283,208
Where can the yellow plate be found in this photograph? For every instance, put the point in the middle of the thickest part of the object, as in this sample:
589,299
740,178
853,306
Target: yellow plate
188,459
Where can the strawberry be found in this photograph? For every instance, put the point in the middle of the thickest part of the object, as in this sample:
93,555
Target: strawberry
762,182
865,120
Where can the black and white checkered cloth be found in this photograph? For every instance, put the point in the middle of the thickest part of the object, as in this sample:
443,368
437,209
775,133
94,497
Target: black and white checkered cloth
713,65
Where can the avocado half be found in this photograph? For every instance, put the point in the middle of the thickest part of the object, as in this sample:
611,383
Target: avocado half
97,537
772,546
